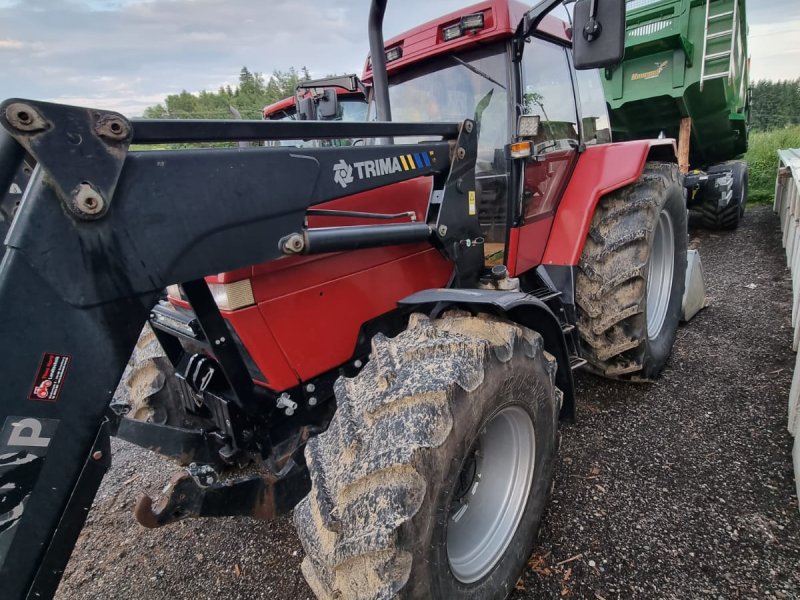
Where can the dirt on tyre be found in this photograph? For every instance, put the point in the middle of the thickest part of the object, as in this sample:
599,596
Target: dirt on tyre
631,276
728,217
433,476
148,386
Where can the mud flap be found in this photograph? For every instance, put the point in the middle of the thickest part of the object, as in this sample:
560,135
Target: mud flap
694,297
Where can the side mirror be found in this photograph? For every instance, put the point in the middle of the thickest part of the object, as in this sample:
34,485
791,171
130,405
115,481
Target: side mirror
306,110
598,33
328,106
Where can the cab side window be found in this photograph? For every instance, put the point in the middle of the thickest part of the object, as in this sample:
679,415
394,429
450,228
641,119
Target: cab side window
547,91
594,112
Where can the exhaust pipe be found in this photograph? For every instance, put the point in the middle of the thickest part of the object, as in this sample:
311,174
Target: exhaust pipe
380,79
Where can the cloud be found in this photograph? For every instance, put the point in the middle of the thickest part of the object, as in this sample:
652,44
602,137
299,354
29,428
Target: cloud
58,49
11,44
66,49
123,53
774,50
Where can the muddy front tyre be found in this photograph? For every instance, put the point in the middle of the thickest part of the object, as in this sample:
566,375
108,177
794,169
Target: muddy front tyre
433,476
631,277
148,388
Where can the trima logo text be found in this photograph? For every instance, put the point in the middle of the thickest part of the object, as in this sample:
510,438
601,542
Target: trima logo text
344,173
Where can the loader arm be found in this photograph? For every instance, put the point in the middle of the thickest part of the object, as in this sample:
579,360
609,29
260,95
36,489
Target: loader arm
102,230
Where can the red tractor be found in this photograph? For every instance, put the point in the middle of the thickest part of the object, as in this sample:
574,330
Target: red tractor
386,329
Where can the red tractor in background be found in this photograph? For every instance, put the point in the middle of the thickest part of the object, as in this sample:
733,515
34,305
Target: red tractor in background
386,328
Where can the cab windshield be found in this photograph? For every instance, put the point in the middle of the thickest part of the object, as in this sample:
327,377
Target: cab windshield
451,88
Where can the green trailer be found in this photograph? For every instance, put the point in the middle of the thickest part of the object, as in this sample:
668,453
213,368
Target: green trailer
685,76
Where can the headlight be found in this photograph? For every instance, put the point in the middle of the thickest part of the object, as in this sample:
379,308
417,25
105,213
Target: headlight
232,296
175,291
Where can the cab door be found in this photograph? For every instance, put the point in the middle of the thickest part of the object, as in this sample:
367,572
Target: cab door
547,90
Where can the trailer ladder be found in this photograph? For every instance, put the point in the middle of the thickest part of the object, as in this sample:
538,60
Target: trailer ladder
722,43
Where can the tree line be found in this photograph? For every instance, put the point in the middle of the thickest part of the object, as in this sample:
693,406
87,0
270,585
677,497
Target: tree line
775,104
249,97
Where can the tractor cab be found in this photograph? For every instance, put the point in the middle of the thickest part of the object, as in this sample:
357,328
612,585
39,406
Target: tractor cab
315,100
466,65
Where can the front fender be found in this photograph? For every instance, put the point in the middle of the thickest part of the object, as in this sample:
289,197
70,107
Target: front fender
600,170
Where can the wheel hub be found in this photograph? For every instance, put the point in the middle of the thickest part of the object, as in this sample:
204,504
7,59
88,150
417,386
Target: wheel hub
659,275
491,494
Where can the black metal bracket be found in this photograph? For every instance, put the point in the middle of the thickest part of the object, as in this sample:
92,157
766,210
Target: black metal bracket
199,493
458,229
222,344
74,516
63,146
182,445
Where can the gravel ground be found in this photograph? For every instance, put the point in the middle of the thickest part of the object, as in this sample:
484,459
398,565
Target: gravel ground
678,489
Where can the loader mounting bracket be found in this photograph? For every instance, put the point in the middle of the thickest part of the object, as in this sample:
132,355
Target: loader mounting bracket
197,493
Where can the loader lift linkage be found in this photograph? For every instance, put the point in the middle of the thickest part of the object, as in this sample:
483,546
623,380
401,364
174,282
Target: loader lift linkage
77,284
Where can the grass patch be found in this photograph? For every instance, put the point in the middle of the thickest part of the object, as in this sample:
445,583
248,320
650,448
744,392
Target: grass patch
763,159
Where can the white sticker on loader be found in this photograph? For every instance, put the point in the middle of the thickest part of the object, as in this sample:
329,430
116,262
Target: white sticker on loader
23,445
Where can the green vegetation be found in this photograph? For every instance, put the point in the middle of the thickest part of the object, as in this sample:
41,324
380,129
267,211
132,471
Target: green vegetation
253,93
775,104
763,159
774,125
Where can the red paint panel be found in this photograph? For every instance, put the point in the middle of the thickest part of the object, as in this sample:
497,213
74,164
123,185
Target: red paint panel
501,18
289,274
527,245
406,196
317,326
544,180
600,170
257,337
310,308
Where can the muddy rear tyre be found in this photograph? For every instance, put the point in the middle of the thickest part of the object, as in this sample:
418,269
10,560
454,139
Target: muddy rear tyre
728,218
411,445
628,291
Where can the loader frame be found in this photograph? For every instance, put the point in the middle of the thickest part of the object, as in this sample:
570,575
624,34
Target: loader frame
103,230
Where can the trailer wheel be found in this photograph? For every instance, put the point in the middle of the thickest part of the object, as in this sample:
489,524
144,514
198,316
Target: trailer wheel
433,476
713,217
631,276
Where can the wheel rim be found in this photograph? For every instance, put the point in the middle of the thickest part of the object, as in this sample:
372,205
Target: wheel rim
491,494
659,275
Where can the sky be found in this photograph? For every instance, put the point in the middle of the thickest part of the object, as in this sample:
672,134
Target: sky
129,54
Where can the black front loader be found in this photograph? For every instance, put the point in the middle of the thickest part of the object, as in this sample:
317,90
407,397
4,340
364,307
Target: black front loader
102,230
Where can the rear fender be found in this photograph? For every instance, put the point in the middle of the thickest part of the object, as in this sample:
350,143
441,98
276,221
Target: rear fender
518,307
600,170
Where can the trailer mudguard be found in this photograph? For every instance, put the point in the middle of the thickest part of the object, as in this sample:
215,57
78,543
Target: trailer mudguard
519,307
599,171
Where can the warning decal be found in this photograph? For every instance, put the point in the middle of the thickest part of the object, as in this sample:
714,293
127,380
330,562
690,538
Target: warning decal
50,377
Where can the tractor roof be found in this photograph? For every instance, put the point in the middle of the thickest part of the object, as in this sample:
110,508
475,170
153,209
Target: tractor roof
501,18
